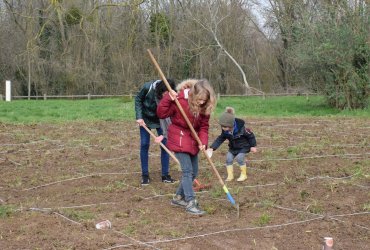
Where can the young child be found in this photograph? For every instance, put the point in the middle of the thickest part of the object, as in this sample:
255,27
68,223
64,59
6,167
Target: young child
197,99
241,141
146,115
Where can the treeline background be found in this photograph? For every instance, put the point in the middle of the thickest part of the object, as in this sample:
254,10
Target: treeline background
71,47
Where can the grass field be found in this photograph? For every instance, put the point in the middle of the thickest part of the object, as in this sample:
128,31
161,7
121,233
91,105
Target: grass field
121,109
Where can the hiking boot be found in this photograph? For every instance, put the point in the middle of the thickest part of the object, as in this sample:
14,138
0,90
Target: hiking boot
193,208
179,201
145,180
168,179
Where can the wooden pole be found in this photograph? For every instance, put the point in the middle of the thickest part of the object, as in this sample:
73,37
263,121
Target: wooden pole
162,145
194,133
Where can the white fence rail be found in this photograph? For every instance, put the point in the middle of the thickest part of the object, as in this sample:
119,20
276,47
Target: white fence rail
89,96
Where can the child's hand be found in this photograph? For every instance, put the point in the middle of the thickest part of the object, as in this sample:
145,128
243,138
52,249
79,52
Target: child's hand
158,139
202,147
140,122
210,152
253,149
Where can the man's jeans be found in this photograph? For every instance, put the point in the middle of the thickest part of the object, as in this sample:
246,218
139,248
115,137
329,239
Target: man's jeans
189,167
144,152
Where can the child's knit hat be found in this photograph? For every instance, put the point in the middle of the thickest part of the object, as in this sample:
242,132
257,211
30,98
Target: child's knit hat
227,118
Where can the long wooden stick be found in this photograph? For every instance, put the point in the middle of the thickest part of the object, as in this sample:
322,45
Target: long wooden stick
162,145
194,133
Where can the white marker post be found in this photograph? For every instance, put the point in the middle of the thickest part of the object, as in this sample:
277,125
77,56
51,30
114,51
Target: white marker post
8,91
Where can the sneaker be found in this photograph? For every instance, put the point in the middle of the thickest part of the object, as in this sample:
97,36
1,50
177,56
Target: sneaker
167,179
145,180
193,208
178,200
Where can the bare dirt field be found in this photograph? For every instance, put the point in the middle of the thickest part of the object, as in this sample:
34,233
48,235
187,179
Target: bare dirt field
310,179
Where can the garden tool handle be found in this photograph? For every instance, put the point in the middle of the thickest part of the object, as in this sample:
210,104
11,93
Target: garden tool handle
162,145
175,99
191,128
195,136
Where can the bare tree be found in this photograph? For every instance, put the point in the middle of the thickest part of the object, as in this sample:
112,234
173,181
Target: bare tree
79,47
212,26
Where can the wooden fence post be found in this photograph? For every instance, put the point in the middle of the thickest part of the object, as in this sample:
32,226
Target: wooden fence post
44,97
1,97
218,96
88,96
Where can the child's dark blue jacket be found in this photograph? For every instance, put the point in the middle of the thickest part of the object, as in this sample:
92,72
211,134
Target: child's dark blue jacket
240,141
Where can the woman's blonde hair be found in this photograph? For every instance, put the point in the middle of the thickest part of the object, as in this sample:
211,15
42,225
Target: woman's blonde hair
202,90
186,84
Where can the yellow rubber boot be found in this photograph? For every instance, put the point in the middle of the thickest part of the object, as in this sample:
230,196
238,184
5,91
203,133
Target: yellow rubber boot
230,173
243,173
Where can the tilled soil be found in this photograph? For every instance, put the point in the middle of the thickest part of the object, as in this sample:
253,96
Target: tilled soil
309,179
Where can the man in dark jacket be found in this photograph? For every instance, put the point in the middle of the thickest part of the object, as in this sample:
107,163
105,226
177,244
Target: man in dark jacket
146,102
241,142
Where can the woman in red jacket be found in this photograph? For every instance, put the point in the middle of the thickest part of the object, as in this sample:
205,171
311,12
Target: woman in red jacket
197,99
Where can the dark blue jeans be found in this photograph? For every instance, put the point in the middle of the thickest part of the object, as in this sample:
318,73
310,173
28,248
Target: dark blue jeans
189,167
144,153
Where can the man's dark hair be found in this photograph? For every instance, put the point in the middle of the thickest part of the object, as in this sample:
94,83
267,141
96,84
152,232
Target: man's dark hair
160,88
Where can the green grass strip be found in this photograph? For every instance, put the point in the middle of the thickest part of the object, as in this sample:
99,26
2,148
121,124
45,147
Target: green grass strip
122,109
